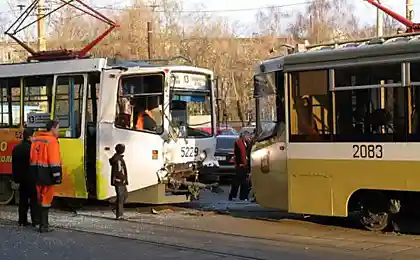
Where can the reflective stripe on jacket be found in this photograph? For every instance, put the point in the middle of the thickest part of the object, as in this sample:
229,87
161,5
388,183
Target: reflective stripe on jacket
45,159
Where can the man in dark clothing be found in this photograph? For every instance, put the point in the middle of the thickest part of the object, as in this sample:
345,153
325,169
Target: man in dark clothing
119,179
242,163
27,183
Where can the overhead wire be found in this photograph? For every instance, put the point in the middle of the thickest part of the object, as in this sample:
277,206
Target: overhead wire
218,10
115,8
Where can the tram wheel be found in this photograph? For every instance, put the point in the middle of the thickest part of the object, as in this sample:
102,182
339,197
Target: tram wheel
7,193
374,214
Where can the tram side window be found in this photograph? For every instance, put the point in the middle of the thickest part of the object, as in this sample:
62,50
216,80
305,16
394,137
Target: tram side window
10,102
139,103
310,107
367,75
377,111
414,107
37,95
68,104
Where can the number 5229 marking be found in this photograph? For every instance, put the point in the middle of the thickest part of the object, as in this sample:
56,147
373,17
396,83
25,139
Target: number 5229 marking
189,151
368,151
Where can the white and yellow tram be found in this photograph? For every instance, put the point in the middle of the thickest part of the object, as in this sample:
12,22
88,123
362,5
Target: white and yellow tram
347,132
96,101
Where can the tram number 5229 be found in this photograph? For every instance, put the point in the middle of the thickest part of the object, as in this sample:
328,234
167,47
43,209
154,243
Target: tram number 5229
368,151
189,151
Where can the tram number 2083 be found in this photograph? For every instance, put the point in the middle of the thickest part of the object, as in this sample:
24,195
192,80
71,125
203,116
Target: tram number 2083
367,151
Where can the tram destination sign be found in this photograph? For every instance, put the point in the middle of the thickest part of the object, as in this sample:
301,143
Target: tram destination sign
189,81
39,120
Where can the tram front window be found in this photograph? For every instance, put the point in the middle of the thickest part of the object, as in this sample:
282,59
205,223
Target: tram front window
192,113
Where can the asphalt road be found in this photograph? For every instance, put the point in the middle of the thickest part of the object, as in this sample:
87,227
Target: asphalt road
109,239
187,233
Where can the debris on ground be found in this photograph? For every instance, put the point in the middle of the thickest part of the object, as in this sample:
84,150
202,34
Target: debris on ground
163,211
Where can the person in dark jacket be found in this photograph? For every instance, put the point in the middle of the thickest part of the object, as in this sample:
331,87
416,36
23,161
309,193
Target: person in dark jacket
27,183
242,163
119,179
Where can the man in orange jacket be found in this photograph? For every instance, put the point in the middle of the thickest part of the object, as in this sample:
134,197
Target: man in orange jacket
45,162
145,120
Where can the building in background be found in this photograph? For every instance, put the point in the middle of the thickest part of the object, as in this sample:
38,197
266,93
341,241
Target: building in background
11,52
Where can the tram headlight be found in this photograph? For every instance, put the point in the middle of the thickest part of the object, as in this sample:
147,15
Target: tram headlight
203,155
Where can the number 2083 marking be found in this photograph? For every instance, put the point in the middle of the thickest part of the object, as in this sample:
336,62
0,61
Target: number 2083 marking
368,151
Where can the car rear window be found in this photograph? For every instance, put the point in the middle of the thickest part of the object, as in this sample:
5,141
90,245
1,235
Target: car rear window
225,143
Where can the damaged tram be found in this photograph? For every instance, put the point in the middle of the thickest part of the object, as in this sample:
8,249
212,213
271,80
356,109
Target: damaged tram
97,102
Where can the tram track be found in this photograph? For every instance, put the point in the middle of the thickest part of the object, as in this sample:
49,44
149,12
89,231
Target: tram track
10,223
297,241
303,241
168,245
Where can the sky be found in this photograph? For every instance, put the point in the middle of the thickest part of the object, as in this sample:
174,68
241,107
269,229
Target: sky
244,10
365,11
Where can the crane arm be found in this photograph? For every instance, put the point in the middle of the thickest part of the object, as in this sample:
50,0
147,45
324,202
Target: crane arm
409,24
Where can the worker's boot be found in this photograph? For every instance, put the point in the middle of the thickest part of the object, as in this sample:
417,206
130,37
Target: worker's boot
44,225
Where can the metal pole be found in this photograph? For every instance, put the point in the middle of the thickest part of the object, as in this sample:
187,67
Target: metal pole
409,9
150,31
379,21
41,25
149,40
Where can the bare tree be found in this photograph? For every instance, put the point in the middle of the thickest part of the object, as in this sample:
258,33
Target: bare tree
207,40
325,20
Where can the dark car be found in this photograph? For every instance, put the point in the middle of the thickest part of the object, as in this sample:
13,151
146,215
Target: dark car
224,150
224,155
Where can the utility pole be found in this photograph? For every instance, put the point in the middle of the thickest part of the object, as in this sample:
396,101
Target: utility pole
379,21
41,25
150,32
409,9
149,40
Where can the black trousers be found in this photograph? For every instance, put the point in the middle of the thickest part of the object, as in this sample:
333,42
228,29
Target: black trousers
122,195
240,182
28,200
43,215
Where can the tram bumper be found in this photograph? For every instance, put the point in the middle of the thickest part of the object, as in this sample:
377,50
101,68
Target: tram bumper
183,178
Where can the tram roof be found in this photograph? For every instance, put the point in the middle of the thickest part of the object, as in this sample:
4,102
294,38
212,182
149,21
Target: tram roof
397,49
52,67
75,66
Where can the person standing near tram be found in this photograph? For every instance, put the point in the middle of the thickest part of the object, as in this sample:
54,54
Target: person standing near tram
21,174
45,163
119,179
242,165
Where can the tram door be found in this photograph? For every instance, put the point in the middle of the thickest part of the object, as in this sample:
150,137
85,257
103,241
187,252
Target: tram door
69,104
90,133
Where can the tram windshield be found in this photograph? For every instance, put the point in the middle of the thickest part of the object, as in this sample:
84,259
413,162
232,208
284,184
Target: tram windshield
191,112
269,94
